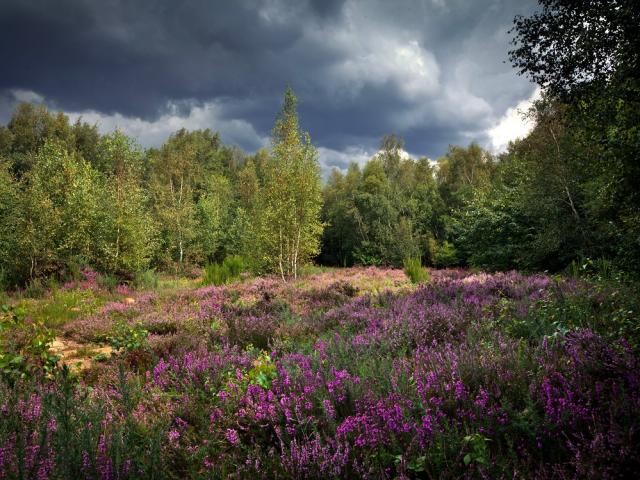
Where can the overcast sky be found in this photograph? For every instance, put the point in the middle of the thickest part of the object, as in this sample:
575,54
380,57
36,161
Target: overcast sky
433,71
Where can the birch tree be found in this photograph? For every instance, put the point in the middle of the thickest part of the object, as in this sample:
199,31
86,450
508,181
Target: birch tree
59,208
172,190
126,227
291,198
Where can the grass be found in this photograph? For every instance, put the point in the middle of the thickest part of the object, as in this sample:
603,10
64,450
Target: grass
62,306
172,282
308,270
146,280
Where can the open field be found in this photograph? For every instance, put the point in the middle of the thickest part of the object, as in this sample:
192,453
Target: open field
352,373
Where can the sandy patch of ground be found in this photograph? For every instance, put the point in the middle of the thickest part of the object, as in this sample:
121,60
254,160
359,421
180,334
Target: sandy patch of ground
78,356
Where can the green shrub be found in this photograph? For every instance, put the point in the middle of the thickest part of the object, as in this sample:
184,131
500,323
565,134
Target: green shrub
574,269
445,255
129,338
24,346
598,269
64,305
415,271
221,274
366,255
311,269
107,281
146,280
214,274
234,265
35,289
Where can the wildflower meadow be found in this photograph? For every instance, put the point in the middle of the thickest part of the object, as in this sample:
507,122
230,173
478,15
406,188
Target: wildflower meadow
350,373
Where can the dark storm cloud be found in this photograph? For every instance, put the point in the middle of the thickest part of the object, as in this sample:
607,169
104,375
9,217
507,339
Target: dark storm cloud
432,71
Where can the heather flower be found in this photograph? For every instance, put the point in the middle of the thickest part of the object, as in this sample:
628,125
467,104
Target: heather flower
207,463
122,289
482,399
232,436
173,435
460,390
390,376
330,412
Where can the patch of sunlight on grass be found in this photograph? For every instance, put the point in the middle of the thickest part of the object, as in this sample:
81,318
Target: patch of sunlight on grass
62,306
307,270
175,283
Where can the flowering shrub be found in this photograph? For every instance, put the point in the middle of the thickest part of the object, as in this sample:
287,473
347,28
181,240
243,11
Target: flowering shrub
472,375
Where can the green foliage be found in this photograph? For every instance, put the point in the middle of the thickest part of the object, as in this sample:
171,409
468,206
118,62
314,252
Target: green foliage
311,269
609,307
584,54
146,280
30,127
187,192
490,233
478,449
212,214
600,269
58,216
463,172
63,305
215,274
227,271
126,229
10,211
234,265
107,281
290,199
35,288
444,255
415,271
263,371
30,355
128,338
542,321
382,214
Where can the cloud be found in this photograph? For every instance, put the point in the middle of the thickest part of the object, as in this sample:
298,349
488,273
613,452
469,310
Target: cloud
404,66
513,124
153,133
341,160
431,71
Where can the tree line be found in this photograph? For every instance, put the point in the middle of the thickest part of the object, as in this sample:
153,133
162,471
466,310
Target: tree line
71,197
569,191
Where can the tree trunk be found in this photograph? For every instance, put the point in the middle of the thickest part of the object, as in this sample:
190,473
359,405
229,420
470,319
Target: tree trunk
564,182
295,255
281,255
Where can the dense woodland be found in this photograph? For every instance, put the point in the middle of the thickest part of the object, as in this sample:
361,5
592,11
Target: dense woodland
72,197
